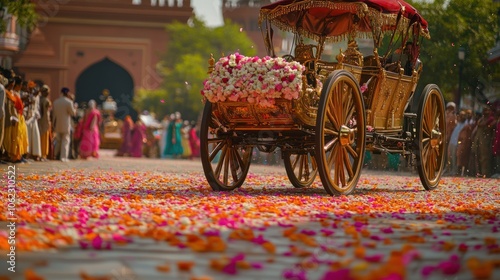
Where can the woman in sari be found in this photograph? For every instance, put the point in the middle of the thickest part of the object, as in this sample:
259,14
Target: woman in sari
173,147
138,139
126,147
16,132
90,141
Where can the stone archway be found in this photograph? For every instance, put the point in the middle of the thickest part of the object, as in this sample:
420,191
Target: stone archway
107,75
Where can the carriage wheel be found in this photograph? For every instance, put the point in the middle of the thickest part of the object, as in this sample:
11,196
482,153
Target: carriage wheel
430,136
225,163
300,168
340,133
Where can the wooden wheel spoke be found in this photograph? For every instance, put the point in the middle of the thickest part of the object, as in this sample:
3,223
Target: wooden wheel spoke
239,160
332,118
338,102
307,167
349,109
425,152
331,132
295,162
426,123
301,167
348,163
331,157
328,146
342,165
216,150
225,173
218,169
235,164
351,151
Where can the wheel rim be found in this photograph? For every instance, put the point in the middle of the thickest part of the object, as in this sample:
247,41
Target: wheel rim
225,162
341,131
431,139
301,169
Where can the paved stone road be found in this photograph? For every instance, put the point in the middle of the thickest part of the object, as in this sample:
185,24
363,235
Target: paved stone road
144,258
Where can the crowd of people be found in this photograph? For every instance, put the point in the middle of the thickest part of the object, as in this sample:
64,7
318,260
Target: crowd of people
33,128
473,142
173,138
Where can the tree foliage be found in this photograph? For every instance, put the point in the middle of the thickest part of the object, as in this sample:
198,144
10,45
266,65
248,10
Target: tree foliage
23,10
185,64
471,24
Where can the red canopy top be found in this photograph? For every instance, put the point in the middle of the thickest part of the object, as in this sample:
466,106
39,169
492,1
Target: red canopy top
333,19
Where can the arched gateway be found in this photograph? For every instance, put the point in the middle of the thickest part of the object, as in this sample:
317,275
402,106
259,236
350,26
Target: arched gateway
107,75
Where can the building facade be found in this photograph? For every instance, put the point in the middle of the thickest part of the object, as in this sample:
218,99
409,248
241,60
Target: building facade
96,47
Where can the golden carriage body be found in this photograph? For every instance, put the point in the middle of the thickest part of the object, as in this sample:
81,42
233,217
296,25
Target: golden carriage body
345,107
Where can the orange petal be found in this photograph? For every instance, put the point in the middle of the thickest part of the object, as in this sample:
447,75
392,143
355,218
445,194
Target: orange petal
163,268
31,275
185,265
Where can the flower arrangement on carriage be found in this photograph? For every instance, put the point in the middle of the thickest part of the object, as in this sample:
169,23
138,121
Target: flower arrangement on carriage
324,113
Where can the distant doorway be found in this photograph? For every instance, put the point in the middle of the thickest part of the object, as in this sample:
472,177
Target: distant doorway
107,75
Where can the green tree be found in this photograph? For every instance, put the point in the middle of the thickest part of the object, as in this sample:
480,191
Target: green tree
185,65
454,24
23,10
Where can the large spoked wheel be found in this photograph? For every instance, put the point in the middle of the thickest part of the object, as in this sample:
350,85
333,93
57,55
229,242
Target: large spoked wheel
225,162
300,168
430,138
340,133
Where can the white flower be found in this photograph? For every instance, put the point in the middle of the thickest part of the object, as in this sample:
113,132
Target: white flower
254,80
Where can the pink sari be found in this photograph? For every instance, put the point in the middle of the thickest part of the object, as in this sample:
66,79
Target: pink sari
89,144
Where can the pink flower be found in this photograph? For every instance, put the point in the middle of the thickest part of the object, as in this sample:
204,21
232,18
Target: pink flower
363,88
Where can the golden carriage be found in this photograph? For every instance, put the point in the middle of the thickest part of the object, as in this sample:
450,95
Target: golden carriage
343,108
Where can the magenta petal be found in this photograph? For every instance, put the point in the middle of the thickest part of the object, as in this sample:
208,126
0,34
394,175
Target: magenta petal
337,274
387,230
84,245
451,266
97,242
257,265
238,258
230,268
393,276
374,258
259,240
308,232
428,270
326,232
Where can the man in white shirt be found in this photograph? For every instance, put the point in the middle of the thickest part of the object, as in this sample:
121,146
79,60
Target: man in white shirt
62,110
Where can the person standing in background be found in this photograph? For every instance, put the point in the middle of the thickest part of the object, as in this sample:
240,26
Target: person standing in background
10,139
138,139
163,139
194,140
32,117
453,145
44,122
451,122
496,147
126,146
62,112
90,140
186,146
22,133
483,143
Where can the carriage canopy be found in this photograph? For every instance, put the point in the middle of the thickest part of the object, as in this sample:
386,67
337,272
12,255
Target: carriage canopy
333,20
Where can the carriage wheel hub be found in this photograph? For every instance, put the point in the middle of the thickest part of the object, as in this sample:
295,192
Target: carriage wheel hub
436,138
346,135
